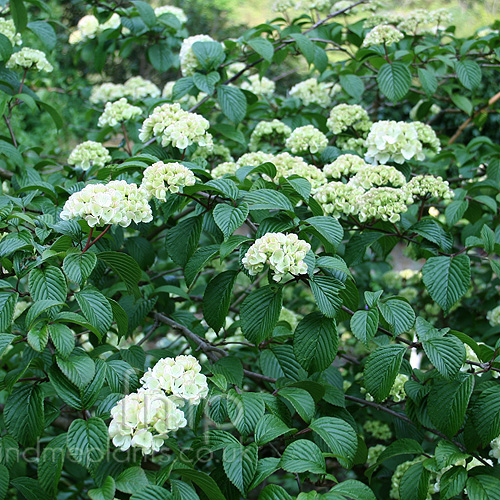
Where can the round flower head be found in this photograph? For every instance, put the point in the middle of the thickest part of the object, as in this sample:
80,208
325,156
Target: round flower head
8,29
288,165
373,453
284,253
377,176
111,24
116,203
138,88
226,168
214,153
378,429
493,316
344,166
255,159
28,58
283,5
427,137
117,112
107,92
89,154
320,5
383,203
495,449
259,86
144,419
274,132
337,198
384,33
162,177
189,62
344,116
391,140
307,139
179,377
428,186
234,68
170,124
88,26
311,91
170,9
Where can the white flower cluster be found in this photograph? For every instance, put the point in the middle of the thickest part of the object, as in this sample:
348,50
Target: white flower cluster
145,418
495,449
383,34
378,175
107,92
344,116
262,87
433,110
276,129
114,203
320,5
436,479
89,154
427,137
283,5
311,91
189,61
398,388
378,429
307,139
284,253
374,453
391,140
162,177
8,29
180,378
28,58
213,153
89,27
234,68
290,317
226,168
383,203
117,112
170,124
428,186
344,166
171,9
338,198
493,316
138,88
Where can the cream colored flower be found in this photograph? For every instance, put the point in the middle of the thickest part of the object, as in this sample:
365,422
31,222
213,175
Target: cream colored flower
162,177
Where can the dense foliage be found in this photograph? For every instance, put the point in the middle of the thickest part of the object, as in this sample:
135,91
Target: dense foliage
262,267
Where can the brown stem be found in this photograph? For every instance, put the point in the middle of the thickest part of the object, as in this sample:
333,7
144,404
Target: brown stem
128,147
11,132
87,246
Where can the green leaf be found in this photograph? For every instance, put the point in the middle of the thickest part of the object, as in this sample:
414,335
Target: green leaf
5,340
328,230
29,488
381,369
45,32
78,367
268,428
126,267
415,483
486,414
5,53
267,168
245,410
339,436
105,492
315,342
265,467
182,87
8,302
206,83
209,54
468,73
447,279
4,481
24,415
231,368
428,80
182,239
51,464
364,324
152,492
301,400
230,218
38,337
305,45
447,403
399,314
198,261
447,354
204,481
146,12
274,492
267,199
353,85
47,284
240,463
132,480
452,482
260,312
217,299
233,102
182,491
79,266
19,14
13,154
303,456
96,309
88,441
326,290
263,47
161,56
483,487
462,103
66,390
394,80
353,489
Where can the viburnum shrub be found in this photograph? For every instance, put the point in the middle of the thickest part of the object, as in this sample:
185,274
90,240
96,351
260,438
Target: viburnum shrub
227,279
